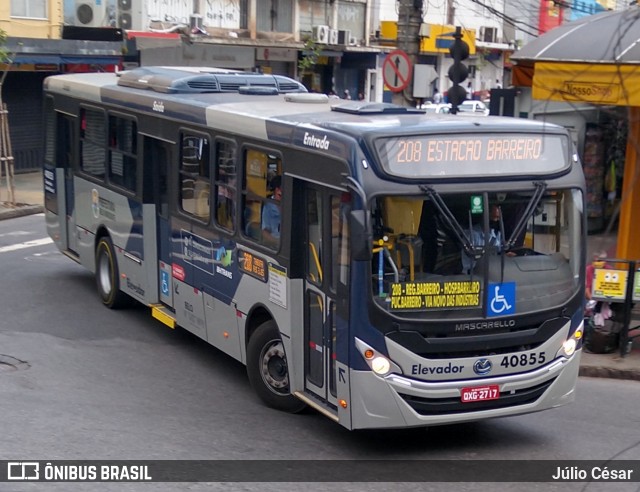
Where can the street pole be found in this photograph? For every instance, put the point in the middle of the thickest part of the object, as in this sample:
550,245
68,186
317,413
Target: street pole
409,21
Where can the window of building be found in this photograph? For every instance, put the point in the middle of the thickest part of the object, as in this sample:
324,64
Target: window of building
35,9
123,141
195,175
225,183
275,15
92,142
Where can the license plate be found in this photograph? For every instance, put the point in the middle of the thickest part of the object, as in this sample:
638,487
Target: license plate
480,393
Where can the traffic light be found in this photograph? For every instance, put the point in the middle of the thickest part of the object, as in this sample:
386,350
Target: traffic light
458,72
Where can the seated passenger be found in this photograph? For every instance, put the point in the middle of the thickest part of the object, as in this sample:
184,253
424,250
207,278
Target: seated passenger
271,213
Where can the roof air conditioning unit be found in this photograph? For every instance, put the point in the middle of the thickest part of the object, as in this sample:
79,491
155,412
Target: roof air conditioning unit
320,34
353,41
343,37
91,13
333,36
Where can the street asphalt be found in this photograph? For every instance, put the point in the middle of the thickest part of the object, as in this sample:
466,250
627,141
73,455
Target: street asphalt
29,199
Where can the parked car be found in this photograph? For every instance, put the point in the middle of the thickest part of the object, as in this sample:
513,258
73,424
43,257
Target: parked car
476,107
436,108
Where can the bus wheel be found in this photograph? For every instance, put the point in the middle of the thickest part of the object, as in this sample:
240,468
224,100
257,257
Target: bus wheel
107,276
267,369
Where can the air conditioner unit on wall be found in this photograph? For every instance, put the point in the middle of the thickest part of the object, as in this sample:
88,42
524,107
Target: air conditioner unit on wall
333,36
320,34
130,15
91,13
488,34
343,37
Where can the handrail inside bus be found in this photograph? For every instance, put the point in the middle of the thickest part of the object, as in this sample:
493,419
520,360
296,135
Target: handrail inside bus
316,259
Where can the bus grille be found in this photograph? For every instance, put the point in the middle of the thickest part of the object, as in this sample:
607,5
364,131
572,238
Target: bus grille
439,406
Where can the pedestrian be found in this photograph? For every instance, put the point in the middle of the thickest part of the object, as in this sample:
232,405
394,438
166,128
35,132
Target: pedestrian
437,97
469,91
498,84
347,94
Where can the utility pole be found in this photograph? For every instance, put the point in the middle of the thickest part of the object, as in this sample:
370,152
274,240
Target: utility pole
409,21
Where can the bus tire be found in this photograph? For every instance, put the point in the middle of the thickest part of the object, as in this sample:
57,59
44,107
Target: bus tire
267,369
107,276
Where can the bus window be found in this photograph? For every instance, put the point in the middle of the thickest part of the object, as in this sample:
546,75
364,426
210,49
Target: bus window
225,182
194,176
92,141
314,237
123,142
340,208
261,199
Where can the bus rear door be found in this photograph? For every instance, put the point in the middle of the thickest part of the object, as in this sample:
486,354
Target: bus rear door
157,156
64,151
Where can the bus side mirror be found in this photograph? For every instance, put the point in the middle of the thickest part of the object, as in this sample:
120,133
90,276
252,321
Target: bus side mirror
361,239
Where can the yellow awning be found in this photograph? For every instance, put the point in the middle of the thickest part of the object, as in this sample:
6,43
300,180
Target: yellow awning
587,82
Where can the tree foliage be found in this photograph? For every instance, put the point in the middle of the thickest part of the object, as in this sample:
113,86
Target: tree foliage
4,56
310,55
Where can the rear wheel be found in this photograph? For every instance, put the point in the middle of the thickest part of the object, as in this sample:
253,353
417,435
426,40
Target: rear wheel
268,371
107,276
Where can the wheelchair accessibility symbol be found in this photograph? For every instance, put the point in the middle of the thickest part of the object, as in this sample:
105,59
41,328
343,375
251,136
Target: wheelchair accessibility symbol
501,299
164,283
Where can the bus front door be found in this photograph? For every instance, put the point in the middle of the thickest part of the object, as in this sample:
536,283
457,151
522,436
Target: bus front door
319,298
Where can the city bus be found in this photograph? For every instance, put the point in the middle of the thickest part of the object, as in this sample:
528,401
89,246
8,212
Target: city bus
406,269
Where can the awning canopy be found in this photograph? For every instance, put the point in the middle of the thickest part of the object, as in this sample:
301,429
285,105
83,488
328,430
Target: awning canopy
595,60
52,53
37,58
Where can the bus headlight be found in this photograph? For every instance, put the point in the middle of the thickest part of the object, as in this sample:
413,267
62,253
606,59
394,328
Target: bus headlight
380,365
569,346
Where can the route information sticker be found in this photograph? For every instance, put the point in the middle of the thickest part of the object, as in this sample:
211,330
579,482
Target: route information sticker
435,295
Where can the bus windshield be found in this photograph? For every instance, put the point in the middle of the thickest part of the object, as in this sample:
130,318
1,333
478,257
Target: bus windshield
450,254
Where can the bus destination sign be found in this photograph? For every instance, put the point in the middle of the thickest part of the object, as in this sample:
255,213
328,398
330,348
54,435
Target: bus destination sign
473,154
435,295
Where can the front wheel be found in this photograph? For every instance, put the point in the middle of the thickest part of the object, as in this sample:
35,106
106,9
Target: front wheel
268,371
107,276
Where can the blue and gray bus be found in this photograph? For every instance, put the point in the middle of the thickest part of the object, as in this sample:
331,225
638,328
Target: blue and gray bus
416,269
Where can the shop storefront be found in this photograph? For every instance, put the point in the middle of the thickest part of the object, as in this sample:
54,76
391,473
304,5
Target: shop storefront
593,63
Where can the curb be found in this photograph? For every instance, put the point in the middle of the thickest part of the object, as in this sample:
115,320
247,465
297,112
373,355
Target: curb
609,373
20,211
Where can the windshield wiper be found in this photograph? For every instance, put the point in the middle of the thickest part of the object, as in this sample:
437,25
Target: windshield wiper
541,187
468,247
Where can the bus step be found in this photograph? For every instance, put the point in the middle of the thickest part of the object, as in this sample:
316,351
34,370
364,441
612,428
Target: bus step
71,254
162,314
313,404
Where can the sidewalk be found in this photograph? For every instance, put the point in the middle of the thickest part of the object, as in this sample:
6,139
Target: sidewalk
30,198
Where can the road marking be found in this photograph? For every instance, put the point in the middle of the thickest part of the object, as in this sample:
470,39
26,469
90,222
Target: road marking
16,233
27,244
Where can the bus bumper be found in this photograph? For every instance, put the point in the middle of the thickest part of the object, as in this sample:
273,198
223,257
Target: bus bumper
396,401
